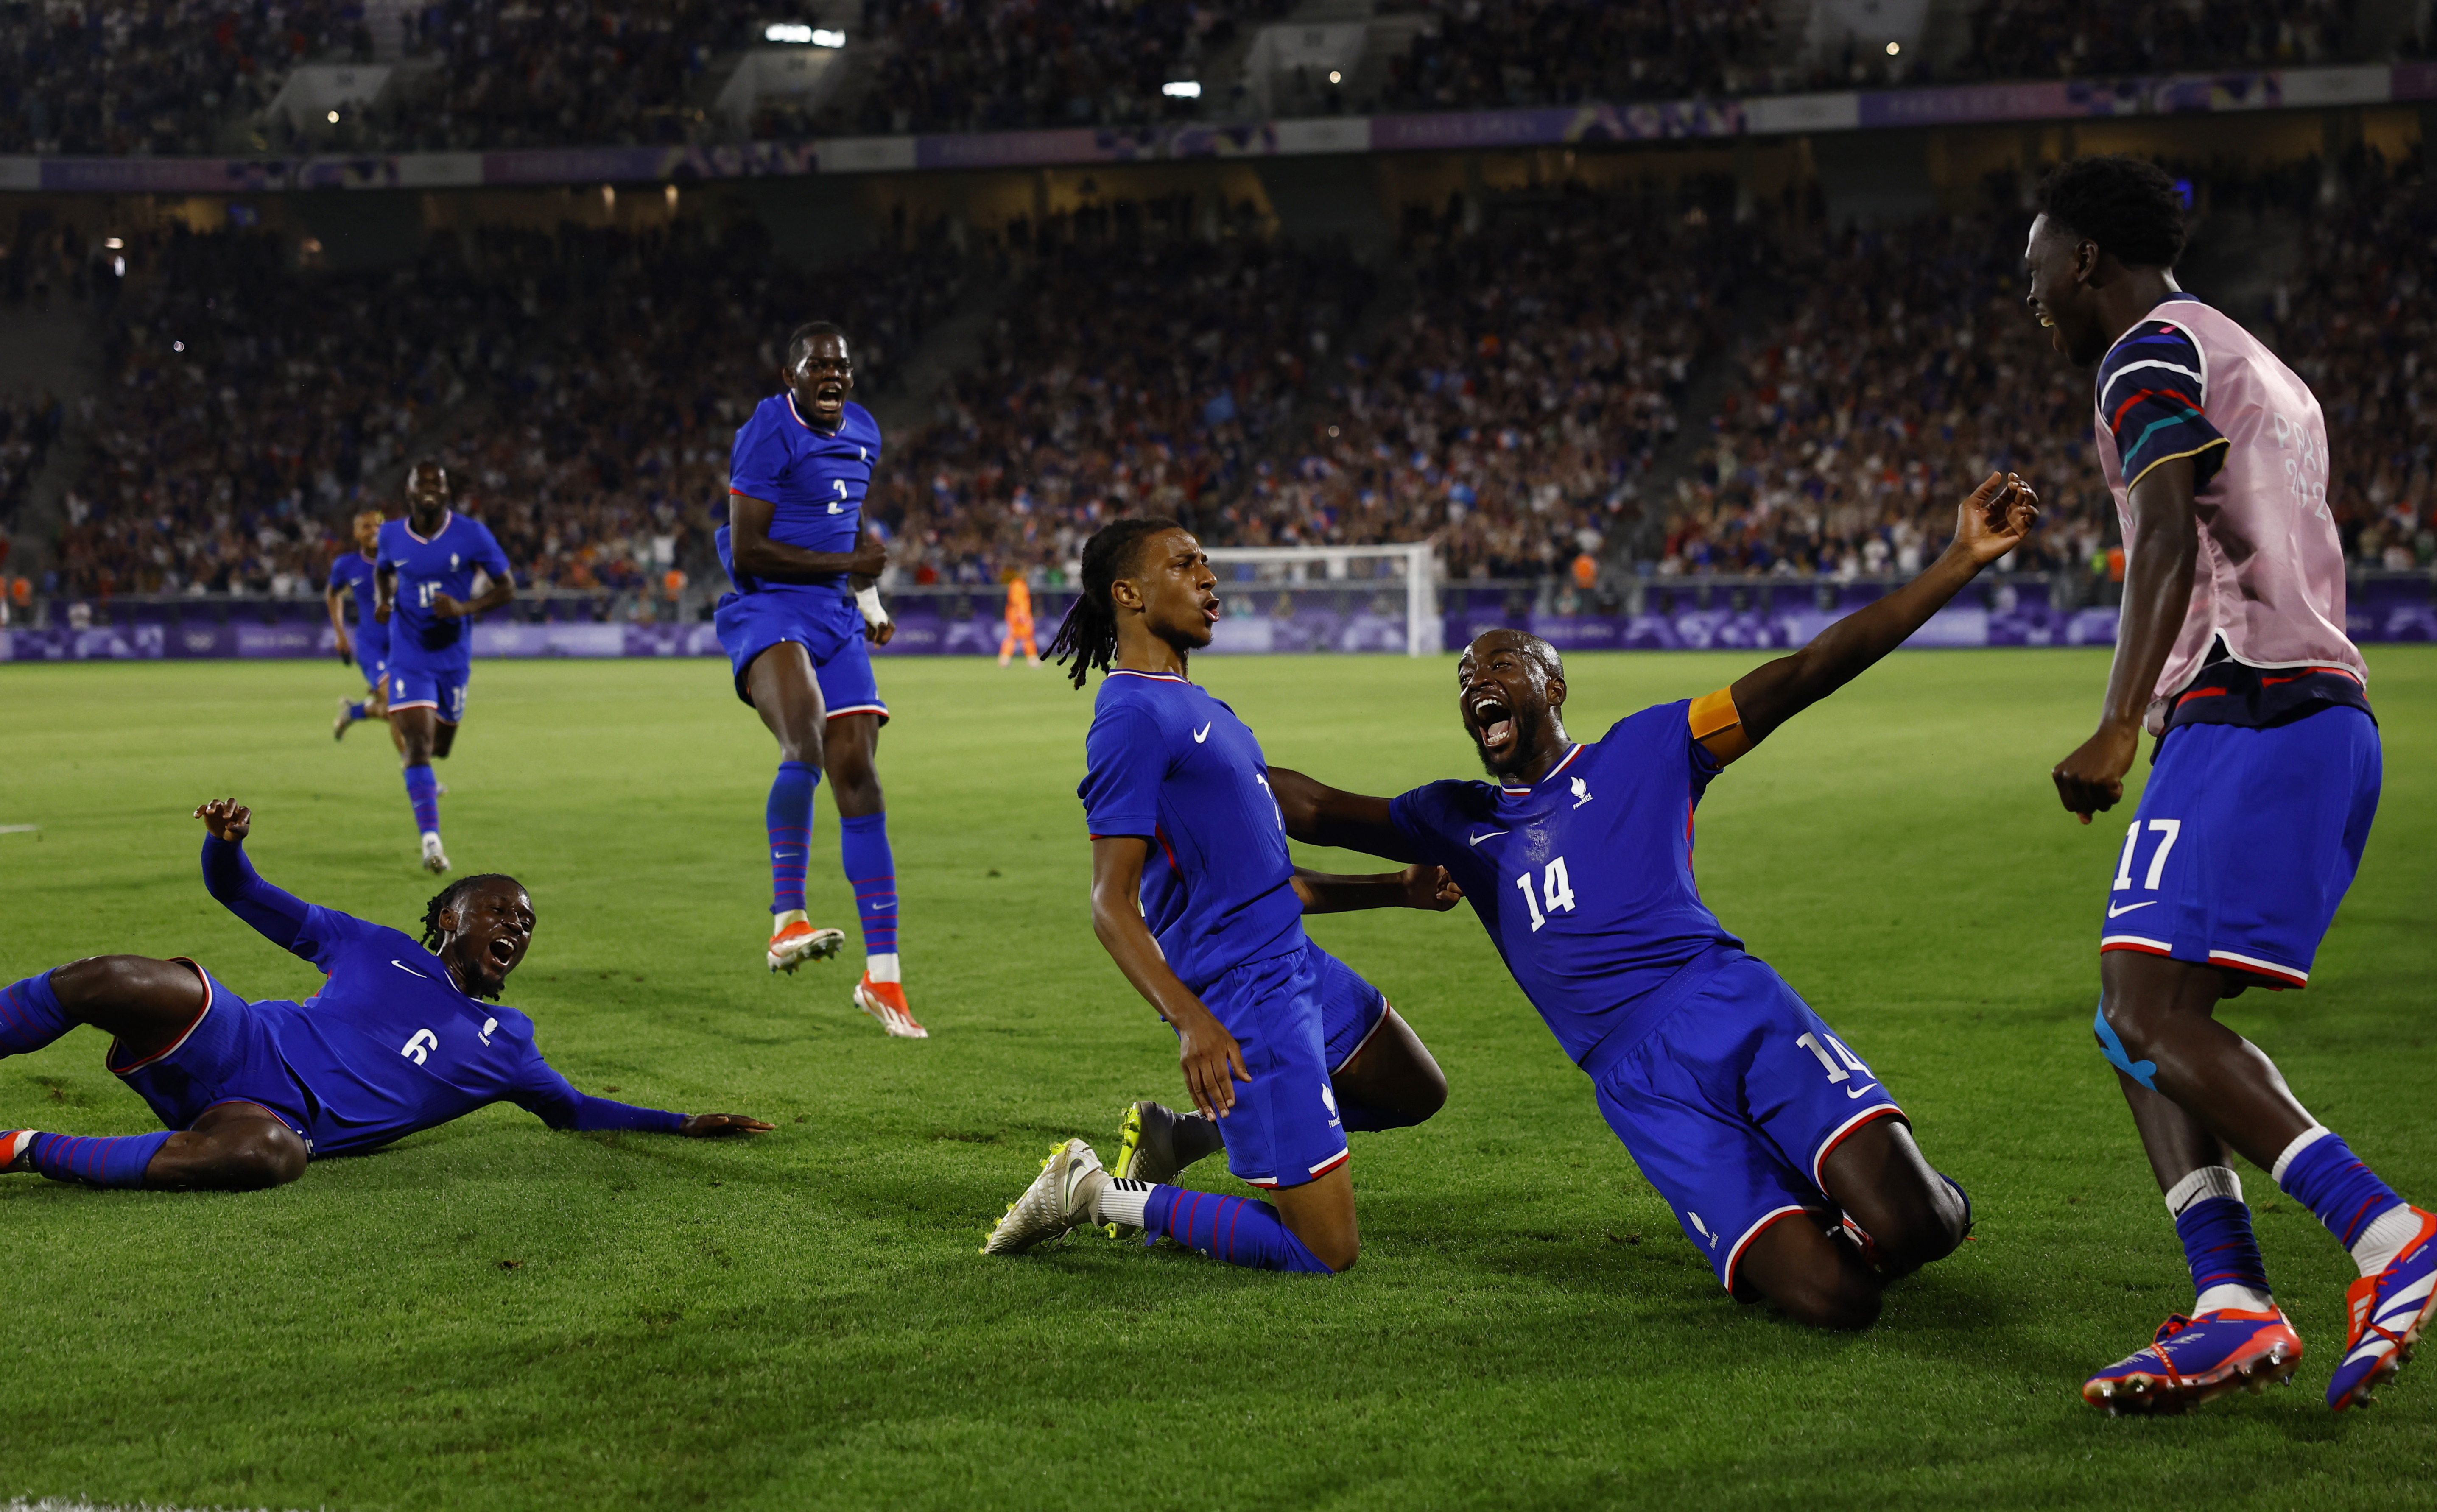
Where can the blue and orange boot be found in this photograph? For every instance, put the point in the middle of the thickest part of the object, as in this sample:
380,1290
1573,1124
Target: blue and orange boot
2387,1312
2193,1359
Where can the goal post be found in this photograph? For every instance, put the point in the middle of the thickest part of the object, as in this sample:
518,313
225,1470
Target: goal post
1328,597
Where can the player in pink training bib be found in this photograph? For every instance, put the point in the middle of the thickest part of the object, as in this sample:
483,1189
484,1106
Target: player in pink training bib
2264,781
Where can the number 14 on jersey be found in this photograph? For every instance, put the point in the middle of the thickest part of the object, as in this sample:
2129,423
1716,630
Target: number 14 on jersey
1556,892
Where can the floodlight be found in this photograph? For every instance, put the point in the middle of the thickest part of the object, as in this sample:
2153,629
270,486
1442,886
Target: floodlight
1182,88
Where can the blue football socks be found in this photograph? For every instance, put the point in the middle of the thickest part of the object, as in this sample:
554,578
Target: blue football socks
2218,1245
114,1162
789,816
872,869
1228,1228
2318,1170
30,1015
356,713
423,791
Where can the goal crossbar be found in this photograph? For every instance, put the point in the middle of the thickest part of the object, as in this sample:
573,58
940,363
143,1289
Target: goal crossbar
1417,561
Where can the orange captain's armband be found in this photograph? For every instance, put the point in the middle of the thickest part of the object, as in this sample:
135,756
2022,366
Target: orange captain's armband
1717,725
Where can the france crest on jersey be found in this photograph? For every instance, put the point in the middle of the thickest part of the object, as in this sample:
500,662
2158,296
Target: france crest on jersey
816,483
420,641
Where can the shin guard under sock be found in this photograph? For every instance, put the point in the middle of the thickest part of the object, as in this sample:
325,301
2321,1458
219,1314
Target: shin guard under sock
789,817
871,870
30,1015
1228,1228
101,1163
423,791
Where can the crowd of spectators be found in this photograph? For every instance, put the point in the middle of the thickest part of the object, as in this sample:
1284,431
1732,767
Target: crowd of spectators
1119,379
2052,38
987,65
1509,410
157,76
2359,322
1490,54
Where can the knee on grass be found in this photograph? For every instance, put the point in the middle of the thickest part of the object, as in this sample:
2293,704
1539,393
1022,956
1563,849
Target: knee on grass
1832,1299
241,1157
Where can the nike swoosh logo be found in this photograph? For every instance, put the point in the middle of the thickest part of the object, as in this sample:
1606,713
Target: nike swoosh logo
1488,835
2112,911
1203,733
408,969
1859,1090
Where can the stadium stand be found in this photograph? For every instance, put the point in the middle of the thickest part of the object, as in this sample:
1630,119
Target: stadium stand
2049,39
1563,52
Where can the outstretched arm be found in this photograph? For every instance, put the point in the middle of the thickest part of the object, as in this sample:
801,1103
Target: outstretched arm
1211,1059
2159,561
229,877
553,1099
1415,887
1991,522
1318,814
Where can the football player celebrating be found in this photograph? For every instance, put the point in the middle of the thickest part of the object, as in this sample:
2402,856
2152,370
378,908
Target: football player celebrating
2232,651
1784,1157
424,592
1195,899
399,1039
364,643
797,629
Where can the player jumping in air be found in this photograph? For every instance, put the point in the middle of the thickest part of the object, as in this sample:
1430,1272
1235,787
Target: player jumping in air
2232,651
397,1040
799,629
423,588
1195,899
364,642
1740,1104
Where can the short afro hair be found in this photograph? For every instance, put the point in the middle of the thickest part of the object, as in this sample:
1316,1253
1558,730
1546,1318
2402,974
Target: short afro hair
803,335
2129,207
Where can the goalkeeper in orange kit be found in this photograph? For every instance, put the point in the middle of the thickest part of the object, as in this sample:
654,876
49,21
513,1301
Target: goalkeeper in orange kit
1019,620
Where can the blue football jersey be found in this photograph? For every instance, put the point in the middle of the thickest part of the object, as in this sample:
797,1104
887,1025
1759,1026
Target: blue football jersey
815,482
354,572
1166,760
1585,878
418,640
390,1045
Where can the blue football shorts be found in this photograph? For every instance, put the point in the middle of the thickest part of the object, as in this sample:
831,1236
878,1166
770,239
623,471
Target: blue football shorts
1284,1130
2244,844
228,1055
442,691
830,628
375,667
1731,1103
1351,1010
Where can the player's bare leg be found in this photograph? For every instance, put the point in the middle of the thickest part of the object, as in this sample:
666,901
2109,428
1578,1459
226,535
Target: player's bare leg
850,748
147,1005
1321,1213
419,734
788,697
1910,1214
2165,1013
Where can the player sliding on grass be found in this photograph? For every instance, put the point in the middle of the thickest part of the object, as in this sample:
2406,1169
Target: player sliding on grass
798,630
394,1042
2261,789
1739,1104
1195,899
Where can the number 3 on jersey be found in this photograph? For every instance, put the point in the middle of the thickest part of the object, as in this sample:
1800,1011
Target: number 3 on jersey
1556,889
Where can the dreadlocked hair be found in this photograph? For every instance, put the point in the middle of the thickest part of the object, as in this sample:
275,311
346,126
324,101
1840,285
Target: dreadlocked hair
448,897
1087,638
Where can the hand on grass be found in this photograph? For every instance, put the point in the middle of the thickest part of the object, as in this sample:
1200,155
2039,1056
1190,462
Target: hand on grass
227,819
715,1125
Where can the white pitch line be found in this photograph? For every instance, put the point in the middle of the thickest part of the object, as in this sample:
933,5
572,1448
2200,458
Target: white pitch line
20,829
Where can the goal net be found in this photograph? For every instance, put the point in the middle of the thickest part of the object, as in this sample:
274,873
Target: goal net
1327,598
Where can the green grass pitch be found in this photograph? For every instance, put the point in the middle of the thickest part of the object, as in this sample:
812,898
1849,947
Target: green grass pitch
492,1315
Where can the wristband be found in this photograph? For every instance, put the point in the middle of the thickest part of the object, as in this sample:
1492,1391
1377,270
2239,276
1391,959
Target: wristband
867,599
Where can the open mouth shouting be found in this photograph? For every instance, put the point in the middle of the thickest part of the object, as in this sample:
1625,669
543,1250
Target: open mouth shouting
1493,722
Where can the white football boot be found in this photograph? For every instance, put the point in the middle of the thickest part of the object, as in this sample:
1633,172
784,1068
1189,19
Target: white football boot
435,859
1058,1200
